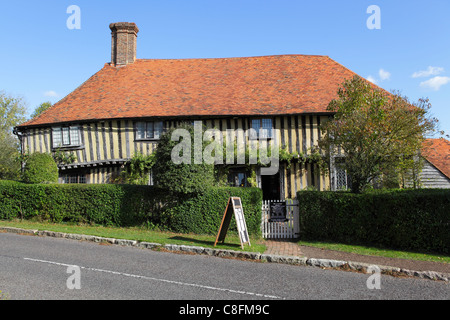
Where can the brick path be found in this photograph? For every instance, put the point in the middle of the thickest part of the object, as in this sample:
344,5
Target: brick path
287,247
283,248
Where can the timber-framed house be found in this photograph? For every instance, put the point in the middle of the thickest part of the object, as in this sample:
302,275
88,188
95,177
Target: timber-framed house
124,108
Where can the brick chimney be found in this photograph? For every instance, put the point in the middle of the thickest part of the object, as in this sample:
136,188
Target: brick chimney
123,43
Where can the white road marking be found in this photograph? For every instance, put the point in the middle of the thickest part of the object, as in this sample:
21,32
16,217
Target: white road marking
156,279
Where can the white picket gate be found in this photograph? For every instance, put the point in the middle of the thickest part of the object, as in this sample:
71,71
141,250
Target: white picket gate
288,229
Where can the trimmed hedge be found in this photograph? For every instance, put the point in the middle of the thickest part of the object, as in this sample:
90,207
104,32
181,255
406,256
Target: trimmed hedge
403,219
203,213
119,205
127,205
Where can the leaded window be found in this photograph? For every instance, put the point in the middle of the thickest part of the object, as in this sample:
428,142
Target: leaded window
66,137
262,128
73,178
149,130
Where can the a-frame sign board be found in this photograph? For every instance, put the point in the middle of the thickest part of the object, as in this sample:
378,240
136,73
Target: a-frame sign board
234,205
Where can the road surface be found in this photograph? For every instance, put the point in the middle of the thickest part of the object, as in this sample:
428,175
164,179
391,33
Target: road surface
41,268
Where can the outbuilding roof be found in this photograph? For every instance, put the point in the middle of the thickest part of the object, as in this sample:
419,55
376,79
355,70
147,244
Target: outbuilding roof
437,152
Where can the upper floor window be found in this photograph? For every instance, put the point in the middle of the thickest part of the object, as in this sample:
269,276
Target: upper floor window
263,129
149,130
66,137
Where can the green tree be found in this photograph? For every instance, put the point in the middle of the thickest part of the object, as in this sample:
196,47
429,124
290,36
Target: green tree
12,113
377,131
40,109
40,168
189,175
9,158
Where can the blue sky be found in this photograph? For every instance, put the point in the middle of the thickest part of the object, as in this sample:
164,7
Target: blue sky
43,60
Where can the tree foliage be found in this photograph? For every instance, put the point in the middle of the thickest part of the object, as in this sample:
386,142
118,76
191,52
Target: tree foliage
9,155
40,109
188,177
12,113
377,131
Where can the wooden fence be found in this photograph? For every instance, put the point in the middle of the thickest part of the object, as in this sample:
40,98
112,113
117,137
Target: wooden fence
280,219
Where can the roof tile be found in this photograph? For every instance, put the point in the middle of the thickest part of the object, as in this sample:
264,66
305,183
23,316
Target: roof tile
437,152
267,85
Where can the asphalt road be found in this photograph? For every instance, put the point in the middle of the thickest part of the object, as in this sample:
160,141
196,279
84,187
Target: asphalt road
36,268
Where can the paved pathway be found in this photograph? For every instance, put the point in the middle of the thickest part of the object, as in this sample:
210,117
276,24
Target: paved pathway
283,248
288,247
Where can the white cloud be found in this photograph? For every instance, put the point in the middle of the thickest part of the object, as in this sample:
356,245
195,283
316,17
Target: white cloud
435,83
372,79
50,93
431,71
384,75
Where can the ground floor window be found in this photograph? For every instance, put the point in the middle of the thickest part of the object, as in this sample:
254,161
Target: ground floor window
238,178
341,177
72,178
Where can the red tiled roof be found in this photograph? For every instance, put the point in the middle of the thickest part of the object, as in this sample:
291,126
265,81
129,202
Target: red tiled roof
268,85
437,152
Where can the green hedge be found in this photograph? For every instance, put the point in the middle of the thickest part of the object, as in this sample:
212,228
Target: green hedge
127,205
202,214
402,219
119,205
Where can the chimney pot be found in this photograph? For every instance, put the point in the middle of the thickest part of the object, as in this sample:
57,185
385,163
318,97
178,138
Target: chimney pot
123,43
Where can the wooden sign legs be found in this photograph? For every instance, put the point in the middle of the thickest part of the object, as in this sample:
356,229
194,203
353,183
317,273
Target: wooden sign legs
236,207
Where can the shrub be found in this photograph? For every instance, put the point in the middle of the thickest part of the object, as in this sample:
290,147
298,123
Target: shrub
127,205
203,212
186,177
119,205
40,168
402,219
137,170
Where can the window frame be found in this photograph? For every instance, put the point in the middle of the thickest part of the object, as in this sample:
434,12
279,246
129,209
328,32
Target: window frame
137,128
340,174
257,136
66,133
74,178
235,173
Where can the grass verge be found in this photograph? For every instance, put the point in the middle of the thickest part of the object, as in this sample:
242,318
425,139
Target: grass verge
373,251
232,241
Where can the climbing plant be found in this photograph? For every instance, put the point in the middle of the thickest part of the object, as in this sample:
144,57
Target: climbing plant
137,170
62,157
